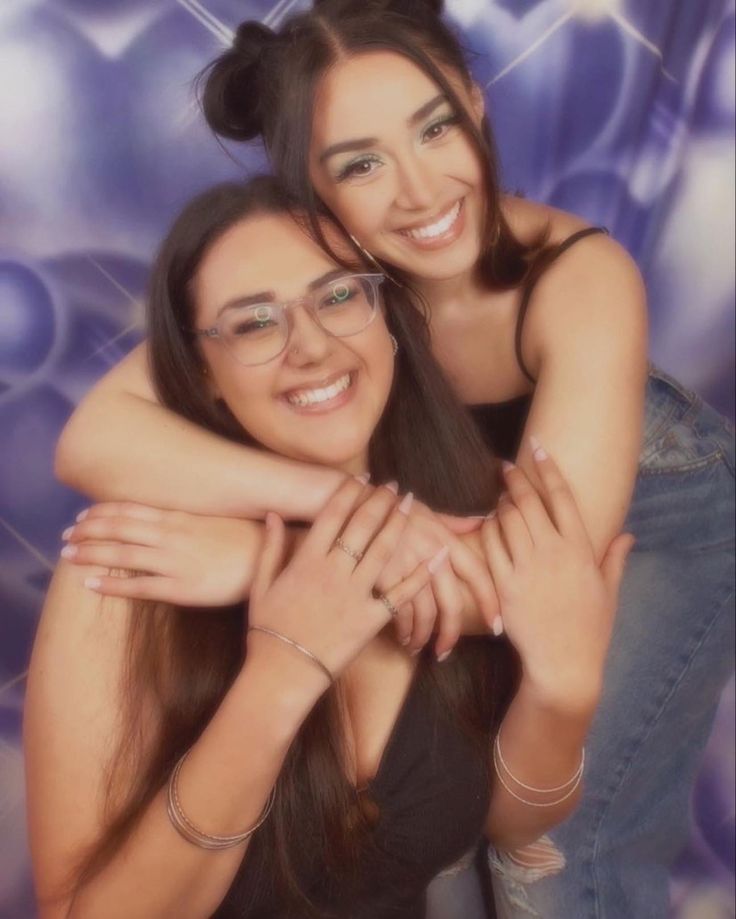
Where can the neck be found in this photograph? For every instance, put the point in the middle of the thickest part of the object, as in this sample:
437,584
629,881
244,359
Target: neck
447,295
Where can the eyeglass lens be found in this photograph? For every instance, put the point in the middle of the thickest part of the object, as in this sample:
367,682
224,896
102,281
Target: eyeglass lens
257,333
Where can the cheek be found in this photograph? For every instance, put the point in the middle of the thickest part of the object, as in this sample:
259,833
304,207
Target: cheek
246,394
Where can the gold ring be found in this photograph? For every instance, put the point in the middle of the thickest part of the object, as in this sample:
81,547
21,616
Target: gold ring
353,553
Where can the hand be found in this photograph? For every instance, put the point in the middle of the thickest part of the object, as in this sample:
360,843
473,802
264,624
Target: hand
323,599
188,559
557,606
439,607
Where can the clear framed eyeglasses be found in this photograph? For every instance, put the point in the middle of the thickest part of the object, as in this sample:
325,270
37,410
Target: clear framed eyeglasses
256,333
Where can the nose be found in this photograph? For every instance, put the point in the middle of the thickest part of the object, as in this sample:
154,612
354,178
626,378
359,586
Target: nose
308,342
417,183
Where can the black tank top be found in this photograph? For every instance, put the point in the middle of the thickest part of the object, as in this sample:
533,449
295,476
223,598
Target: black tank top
502,423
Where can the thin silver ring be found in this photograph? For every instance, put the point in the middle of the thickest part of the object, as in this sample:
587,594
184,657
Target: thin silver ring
353,553
387,603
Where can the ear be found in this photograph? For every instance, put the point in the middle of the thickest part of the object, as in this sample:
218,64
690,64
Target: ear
477,101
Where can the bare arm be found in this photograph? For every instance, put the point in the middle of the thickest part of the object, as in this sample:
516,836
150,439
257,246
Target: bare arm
70,726
121,444
585,342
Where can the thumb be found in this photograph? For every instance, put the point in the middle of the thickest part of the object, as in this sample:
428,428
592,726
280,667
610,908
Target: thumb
614,561
271,558
460,525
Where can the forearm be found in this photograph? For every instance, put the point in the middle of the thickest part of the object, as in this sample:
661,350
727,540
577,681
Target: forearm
223,786
542,745
153,456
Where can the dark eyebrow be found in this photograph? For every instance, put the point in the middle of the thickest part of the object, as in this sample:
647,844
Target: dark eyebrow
268,296
361,143
263,297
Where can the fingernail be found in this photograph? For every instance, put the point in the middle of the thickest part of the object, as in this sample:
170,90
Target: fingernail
92,583
497,627
364,479
538,451
415,652
434,563
392,486
406,503
443,657
269,520
506,466
490,515
69,551
81,515
405,640
67,533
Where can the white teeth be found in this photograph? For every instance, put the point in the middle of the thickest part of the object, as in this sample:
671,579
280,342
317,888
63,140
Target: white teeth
315,396
433,230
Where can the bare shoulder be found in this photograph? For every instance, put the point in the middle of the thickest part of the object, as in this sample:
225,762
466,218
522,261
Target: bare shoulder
526,218
71,720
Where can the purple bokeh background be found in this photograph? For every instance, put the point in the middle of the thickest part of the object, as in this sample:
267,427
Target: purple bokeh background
619,110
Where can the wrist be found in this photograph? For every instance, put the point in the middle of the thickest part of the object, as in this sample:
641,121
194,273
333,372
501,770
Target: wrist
572,702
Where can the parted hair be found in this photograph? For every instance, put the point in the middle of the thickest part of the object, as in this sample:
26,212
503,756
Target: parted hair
266,85
182,661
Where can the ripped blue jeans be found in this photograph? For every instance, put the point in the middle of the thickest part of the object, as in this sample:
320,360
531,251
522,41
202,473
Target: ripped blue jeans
671,653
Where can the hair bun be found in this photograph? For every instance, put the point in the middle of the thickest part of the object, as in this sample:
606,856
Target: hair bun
232,96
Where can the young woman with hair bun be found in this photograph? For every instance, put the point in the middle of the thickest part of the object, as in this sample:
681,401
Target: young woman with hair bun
369,113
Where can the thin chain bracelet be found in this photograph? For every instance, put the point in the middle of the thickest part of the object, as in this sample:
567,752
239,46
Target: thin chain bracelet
542,791
191,833
524,800
294,644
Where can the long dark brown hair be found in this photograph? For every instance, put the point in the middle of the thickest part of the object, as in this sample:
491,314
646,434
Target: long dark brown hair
182,661
266,84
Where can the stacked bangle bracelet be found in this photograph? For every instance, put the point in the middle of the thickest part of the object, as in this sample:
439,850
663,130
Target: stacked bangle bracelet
184,826
503,773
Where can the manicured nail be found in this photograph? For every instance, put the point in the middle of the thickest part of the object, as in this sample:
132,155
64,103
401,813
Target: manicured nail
497,627
434,563
443,657
490,515
507,466
406,503
82,514
392,486
415,652
405,640
92,583
67,534
69,551
364,479
538,451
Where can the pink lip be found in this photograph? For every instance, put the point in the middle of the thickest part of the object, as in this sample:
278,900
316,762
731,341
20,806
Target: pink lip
323,408
438,242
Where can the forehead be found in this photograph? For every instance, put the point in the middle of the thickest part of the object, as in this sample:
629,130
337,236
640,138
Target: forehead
261,253
361,90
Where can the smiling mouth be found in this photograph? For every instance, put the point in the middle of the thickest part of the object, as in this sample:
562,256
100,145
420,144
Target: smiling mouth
445,228
322,397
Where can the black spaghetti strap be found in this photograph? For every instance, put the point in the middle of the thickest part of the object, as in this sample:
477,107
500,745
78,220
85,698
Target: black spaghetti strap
535,274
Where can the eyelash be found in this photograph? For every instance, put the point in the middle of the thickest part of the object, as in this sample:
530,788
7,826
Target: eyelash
348,171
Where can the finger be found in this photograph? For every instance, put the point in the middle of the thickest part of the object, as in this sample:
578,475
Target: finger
117,555
144,587
331,520
383,545
404,621
514,531
115,529
558,496
449,600
122,509
472,569
272,555
462,525
529,503
364,525
614,562
425,616
496,554
403,594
